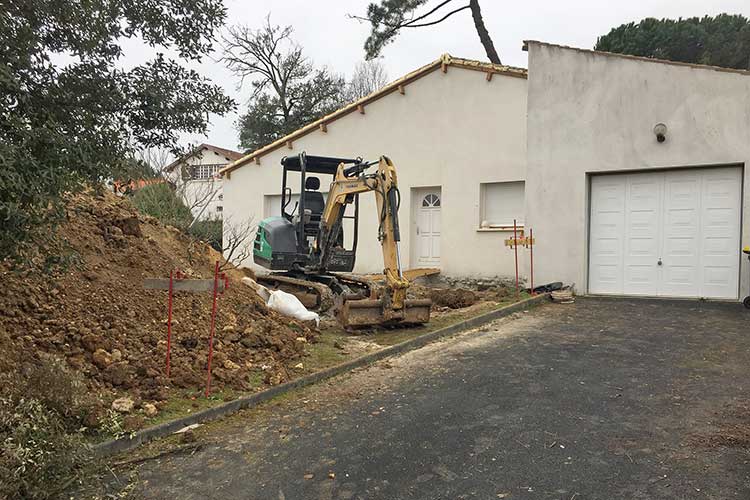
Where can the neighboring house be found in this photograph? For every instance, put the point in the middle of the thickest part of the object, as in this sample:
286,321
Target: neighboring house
614,209
196,177
456,131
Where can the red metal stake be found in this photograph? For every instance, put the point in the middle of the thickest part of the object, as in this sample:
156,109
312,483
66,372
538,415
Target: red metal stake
531,252
169,318
515,249
213,323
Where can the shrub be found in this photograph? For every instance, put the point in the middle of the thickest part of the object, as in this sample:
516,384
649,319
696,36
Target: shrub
41,419
161,201
209,231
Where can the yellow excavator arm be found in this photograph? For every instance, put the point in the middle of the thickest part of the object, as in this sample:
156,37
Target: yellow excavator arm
388,304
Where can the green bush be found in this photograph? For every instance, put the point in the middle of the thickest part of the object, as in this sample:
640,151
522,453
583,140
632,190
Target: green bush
42,415
209,231
161,201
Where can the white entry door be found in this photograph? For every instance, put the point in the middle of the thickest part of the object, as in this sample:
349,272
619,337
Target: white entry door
427,237
672,234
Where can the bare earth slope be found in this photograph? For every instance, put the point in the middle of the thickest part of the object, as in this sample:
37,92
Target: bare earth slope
99,318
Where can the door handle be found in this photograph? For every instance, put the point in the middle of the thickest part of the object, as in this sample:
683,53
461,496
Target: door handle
417,229
659,262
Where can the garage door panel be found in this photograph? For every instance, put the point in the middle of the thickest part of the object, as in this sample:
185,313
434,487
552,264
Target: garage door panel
607,229
642,247
719,221
679,279
722,199
686,220
608,278
719,247
611,247
643,193
717,276
680,247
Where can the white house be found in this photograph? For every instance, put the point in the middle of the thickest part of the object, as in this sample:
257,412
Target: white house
456,131
197,180
636,174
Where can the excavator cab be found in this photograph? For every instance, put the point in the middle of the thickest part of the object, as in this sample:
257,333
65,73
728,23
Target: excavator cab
287,242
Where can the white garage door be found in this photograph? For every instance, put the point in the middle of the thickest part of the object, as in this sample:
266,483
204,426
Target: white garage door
672,234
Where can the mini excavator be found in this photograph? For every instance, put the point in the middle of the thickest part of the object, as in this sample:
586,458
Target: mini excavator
305,246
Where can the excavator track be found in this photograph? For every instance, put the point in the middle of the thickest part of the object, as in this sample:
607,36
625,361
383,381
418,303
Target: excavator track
319,292
312,294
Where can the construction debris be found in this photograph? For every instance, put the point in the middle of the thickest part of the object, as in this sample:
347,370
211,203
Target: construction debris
564,296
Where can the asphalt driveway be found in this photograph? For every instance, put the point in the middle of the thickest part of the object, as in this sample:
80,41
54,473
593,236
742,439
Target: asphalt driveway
601,399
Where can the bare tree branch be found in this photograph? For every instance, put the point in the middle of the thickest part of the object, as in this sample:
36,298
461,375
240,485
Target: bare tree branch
449,14
368,77
237,242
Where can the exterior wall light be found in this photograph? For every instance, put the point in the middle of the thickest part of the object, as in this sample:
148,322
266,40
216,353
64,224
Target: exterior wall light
660,130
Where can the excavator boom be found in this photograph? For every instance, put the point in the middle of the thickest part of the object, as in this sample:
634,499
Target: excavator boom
387,304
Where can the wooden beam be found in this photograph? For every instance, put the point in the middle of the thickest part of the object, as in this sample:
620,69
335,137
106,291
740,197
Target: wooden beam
257,160
361,109
289,144
323,127
489,76
228,175
401,90
444,68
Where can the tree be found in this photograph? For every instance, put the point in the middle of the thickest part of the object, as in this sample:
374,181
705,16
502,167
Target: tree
389,17
288,92
368,77
723,40
69,112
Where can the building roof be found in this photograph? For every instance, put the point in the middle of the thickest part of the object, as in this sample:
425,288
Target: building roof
526,44
396,86
226,153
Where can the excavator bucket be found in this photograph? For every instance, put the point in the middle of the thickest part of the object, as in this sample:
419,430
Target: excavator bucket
370,312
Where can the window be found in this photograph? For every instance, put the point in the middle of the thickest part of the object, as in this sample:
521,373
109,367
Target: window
219,208
501,202
431,200
204,172
221,197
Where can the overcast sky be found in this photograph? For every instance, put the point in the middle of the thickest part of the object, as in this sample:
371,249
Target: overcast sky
330,38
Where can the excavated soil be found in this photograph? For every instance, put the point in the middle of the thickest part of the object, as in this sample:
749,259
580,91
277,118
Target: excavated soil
454,299
444,298
97,315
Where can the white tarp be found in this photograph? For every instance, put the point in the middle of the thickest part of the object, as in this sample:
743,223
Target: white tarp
283,302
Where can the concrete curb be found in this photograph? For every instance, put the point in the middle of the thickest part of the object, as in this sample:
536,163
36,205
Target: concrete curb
142,437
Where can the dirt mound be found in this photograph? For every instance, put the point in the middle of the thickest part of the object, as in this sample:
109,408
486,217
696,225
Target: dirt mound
99,318
457,298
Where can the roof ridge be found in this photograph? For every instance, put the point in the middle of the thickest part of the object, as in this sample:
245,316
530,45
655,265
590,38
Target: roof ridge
444,60
639,58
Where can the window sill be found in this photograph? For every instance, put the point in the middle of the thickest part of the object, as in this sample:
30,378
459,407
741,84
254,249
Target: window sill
499,229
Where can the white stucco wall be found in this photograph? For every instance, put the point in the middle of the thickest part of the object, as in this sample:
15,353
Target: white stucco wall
454,130
202,193
590,113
